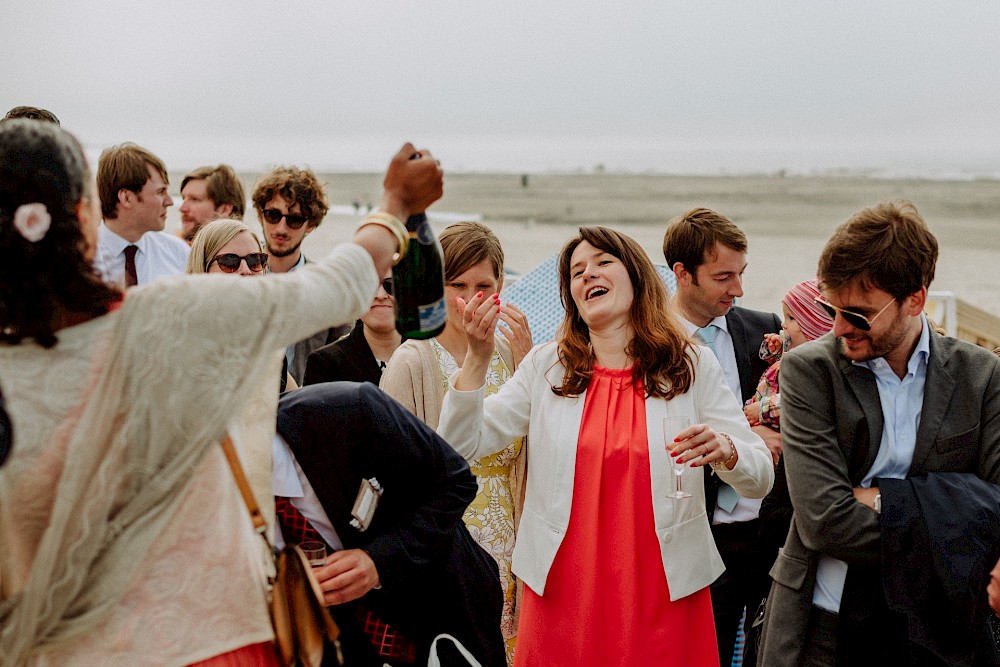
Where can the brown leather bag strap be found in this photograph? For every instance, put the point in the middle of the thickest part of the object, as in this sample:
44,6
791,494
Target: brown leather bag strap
244,486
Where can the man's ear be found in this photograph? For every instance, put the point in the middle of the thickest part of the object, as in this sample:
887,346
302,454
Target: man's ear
125,198
914,304
224,211
683,275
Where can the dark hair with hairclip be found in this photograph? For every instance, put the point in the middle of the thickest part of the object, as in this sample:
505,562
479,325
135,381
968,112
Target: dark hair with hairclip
41,163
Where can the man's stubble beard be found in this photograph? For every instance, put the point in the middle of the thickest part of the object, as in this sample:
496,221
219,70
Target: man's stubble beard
885,344
283,253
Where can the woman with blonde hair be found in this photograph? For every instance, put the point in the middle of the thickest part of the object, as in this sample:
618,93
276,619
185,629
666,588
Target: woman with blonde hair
615,568
417,376
123,539
217,248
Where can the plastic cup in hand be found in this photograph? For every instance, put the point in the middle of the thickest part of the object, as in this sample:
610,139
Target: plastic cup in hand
315,553
671,427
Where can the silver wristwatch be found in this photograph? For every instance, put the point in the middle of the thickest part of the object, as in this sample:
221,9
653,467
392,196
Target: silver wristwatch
878,503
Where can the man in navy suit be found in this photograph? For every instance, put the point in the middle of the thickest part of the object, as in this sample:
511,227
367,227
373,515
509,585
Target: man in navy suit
386,494
708,255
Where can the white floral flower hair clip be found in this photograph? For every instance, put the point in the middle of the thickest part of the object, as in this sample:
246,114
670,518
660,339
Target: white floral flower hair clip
32,221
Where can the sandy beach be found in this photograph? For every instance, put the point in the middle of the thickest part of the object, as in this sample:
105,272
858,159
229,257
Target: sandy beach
787,219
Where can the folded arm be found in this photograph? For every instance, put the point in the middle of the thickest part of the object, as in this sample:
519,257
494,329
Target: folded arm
828,517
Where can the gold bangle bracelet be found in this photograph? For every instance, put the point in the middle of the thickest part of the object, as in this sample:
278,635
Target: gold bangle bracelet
720,465
394,225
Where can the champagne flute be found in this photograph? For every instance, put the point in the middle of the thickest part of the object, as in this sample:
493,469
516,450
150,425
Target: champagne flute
671,427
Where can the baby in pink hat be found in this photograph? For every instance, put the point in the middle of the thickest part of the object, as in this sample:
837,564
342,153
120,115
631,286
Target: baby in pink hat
804,320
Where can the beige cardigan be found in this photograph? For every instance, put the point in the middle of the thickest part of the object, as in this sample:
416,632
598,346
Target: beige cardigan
413,377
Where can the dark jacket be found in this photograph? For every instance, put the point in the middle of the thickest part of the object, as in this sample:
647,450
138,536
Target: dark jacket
939,535
434,578
349,358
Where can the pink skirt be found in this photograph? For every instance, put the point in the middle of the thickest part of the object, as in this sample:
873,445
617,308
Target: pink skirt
254,655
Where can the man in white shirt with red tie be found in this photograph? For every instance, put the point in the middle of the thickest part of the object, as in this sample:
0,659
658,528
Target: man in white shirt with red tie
132,247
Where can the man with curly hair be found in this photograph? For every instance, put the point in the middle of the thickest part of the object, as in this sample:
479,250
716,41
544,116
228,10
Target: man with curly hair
290,204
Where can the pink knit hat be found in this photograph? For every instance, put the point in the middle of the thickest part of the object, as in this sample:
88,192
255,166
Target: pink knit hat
812,319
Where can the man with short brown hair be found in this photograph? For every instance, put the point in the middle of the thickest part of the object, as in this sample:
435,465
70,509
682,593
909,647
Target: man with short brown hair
31,113
884,405
132,247
209,193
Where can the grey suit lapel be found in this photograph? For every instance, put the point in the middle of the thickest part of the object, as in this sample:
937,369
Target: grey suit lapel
862,383
939,387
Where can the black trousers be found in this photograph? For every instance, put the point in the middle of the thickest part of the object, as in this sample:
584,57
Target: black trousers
742,586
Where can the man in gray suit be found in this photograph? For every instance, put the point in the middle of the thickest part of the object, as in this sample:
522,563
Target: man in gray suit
883,396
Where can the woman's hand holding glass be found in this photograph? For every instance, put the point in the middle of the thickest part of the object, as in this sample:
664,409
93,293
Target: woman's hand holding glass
700,444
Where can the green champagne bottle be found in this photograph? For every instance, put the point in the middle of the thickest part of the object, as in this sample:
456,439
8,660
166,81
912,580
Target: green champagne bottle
418,283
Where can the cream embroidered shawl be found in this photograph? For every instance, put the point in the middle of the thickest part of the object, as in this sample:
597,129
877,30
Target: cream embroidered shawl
184,356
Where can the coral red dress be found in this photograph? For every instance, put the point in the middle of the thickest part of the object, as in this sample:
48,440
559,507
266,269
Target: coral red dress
606,599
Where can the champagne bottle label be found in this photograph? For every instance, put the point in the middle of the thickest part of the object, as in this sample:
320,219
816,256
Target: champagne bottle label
432,315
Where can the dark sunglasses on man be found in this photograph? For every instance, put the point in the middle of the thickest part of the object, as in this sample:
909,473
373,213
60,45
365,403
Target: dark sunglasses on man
230,262
856,320
274,216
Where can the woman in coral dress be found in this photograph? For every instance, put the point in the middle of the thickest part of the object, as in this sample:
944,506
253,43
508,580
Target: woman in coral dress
615,571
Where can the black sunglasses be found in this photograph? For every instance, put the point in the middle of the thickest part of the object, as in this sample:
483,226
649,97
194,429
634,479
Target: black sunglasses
387,286
230,261
856,320
293,220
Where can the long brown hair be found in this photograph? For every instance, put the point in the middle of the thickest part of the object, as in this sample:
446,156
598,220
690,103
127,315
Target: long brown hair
659,346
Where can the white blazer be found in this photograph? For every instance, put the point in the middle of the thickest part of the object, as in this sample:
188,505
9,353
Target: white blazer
525,404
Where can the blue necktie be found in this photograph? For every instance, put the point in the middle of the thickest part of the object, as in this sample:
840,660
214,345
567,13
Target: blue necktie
727,497
707,336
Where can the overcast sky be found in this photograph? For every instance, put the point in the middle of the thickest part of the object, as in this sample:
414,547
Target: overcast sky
492,83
